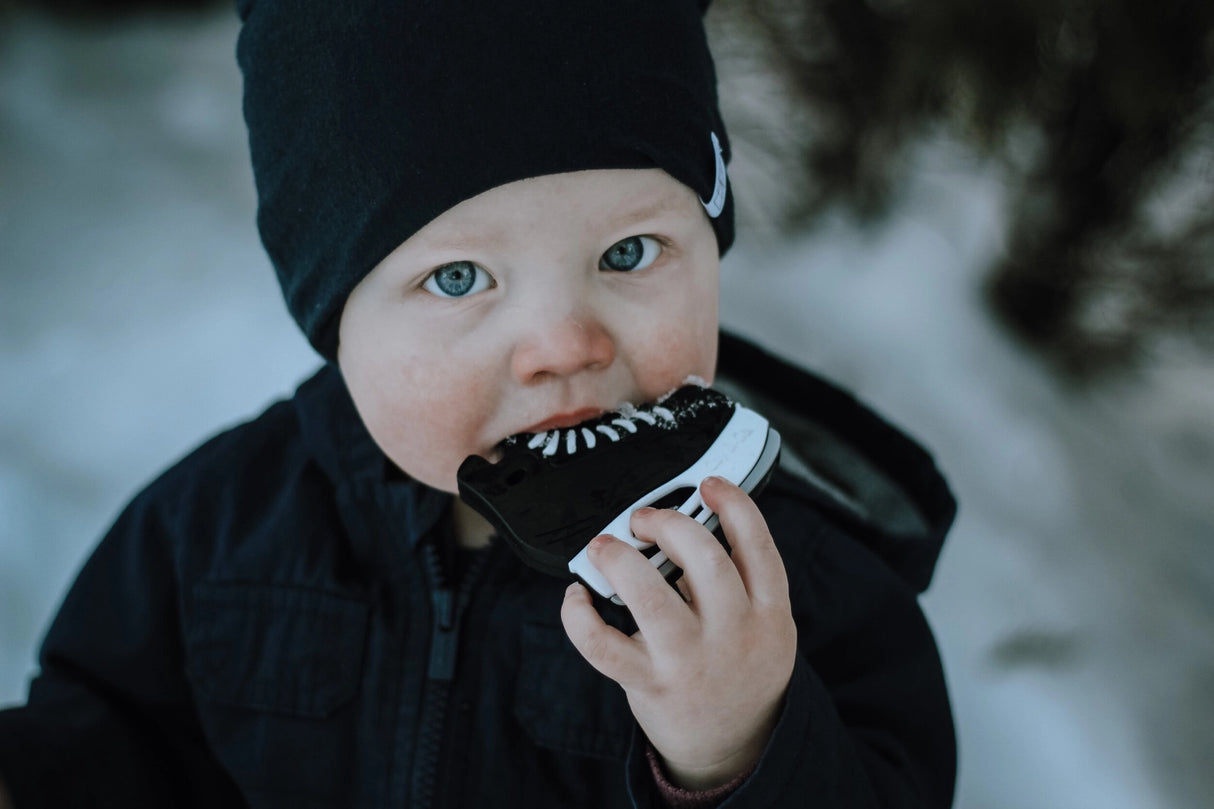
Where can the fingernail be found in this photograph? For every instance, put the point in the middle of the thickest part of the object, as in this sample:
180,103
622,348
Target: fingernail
644,512
600,542
572,589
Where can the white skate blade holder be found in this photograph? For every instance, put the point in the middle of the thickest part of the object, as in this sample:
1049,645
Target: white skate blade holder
741,454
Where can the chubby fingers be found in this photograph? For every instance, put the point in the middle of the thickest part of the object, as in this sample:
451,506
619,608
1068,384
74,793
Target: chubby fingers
709,576
755,555
612,653
662,617
660,613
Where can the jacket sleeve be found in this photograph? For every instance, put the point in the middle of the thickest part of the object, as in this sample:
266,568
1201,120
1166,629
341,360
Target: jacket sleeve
866,720
109,720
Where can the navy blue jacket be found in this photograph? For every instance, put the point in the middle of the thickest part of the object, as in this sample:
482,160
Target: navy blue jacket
277,621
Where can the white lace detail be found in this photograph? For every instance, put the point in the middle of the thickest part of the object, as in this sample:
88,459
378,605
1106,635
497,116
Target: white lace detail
607,431
625,424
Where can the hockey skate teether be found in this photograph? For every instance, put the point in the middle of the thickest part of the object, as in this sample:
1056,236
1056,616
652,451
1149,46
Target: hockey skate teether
553,492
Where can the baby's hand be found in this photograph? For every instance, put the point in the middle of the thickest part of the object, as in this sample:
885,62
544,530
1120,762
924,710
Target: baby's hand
704,677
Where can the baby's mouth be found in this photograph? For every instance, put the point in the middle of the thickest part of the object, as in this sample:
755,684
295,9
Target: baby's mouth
584,416
565,422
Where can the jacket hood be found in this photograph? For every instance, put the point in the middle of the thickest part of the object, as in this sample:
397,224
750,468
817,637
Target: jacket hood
868,476
861,472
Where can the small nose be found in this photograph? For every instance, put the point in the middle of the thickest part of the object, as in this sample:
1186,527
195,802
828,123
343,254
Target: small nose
563,347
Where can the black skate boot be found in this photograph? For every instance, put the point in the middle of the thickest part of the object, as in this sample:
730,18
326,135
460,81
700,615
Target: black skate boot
553,492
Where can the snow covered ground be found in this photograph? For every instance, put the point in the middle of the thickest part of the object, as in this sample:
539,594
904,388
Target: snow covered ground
1074,603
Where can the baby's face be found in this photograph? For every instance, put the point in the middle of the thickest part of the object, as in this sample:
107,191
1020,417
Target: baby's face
535,305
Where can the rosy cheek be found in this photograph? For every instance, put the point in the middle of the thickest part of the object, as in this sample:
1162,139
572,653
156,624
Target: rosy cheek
684,352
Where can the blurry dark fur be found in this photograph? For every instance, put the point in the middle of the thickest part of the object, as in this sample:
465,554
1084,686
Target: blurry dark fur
1111,244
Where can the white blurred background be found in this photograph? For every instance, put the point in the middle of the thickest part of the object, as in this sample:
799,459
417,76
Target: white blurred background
1074,602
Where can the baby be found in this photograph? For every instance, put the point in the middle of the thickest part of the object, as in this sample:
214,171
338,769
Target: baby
492,219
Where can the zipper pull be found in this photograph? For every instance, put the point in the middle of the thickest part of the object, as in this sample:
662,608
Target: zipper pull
445,640
448,607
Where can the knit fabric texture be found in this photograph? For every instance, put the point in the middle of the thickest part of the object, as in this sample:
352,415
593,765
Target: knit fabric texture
368,120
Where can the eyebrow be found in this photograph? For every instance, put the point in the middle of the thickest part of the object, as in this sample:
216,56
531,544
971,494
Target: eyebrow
461,241
664,204
464,241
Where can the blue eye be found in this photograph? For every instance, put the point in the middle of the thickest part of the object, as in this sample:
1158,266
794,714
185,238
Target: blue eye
457,279
633,253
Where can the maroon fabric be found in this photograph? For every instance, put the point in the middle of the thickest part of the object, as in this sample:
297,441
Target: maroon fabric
679,798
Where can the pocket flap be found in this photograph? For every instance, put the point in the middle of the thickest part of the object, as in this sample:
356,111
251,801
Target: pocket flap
281,649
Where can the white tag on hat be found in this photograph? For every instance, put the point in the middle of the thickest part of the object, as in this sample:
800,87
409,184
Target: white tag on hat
715,205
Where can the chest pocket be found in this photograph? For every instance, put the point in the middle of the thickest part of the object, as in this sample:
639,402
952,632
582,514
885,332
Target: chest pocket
284,650
276,671
563,703
278,649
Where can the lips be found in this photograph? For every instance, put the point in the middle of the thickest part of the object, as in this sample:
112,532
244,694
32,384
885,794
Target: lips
562,420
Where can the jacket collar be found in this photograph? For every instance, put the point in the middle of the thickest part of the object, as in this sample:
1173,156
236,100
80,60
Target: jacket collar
385,512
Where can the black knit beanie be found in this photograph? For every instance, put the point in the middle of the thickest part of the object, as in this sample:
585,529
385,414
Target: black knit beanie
369,119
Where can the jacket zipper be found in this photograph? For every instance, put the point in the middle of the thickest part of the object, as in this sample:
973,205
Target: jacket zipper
448,608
